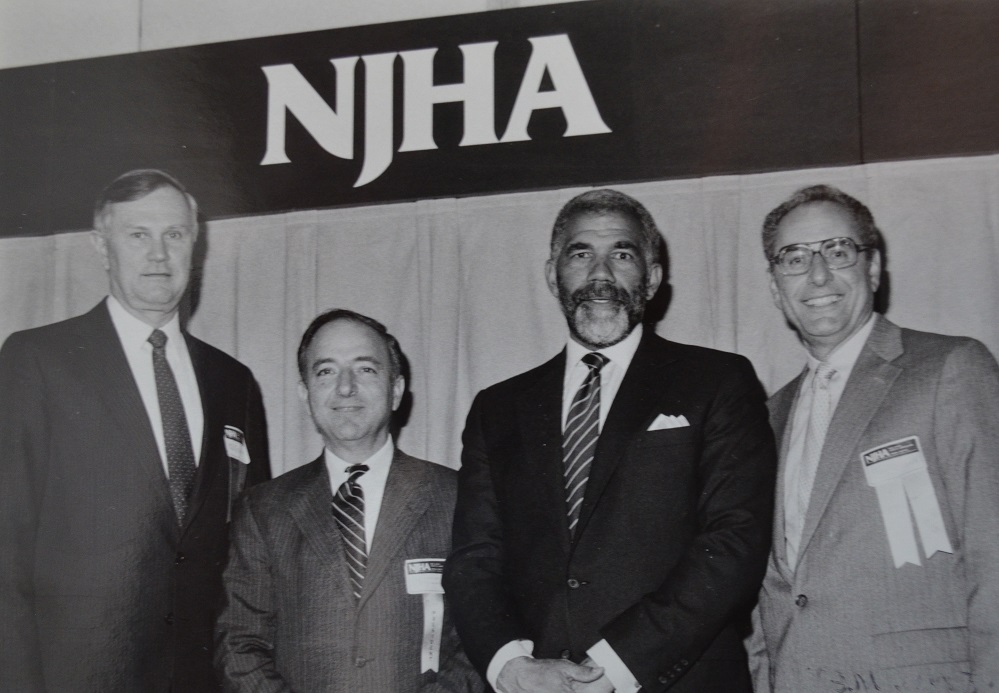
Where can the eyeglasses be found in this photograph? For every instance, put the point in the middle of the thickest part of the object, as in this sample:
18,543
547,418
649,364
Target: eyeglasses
839,253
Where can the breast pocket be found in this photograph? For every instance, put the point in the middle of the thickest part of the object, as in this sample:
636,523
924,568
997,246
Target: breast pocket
668,437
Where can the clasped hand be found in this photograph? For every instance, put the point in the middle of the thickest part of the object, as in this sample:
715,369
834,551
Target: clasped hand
527,675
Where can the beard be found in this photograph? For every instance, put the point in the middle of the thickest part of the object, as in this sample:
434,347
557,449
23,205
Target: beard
599,325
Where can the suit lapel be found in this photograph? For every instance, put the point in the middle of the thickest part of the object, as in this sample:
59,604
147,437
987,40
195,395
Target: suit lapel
209,381
311,507
103,360
781,409
643,387
539,415
869,382
404,502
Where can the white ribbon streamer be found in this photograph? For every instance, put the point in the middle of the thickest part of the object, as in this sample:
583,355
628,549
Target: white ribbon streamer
423,576
433,629
898,473
895,513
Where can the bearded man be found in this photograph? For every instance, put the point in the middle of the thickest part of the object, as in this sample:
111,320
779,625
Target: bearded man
614,503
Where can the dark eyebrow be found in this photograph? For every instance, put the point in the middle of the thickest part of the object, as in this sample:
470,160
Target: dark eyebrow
368,359
360,359
629,245
577,245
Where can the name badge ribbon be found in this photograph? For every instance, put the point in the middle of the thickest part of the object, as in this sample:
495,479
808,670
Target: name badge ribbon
423,576
898,472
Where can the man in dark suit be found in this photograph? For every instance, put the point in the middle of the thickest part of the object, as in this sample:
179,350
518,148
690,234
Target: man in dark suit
884,574
614,504
123,444
333,582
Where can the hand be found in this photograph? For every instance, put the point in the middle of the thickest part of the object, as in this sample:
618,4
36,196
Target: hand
527,675
600,685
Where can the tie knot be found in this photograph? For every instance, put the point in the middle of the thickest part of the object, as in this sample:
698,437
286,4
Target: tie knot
823,374
356,470
158,339
595,361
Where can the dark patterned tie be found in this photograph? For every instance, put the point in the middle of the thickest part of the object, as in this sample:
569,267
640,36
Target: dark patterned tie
579,440
348,509
176,436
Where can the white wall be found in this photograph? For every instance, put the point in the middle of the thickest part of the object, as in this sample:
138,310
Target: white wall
44,31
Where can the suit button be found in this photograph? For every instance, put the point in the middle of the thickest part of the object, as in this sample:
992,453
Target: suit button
168,619
565,654
180,558
573,583
665,678
684,663
801,600
360,662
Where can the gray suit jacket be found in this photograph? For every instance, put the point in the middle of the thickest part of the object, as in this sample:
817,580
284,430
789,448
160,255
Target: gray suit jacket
847,619
291,622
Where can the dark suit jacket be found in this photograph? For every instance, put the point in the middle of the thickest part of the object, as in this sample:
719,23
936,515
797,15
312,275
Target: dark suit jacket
673,533
860,623
100,590
291,621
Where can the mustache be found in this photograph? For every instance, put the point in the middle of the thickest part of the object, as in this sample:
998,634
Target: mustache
601,291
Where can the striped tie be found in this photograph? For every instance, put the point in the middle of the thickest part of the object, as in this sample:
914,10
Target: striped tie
579,440
348,509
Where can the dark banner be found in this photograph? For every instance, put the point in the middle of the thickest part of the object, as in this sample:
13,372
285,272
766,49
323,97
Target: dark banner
575,94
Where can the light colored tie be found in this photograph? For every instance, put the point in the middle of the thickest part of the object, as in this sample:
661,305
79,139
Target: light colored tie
348,509
579,440
815,435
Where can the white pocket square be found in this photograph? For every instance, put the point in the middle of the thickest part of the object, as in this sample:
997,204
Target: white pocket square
664,421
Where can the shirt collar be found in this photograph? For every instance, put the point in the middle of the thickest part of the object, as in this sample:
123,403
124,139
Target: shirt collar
620,354
381,459
844,356
134,332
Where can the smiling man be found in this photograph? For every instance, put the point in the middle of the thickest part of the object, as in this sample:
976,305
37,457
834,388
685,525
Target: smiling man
334,582
885,569
124,441
614,504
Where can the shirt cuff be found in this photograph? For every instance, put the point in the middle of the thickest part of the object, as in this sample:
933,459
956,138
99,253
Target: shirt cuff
604,656
512,650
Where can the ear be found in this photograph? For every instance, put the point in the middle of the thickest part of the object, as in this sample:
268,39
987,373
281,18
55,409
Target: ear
303,392
655,279
874,270
398,388
775,291
551,276
100,242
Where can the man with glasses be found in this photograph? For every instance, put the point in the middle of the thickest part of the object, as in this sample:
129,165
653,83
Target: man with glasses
884,574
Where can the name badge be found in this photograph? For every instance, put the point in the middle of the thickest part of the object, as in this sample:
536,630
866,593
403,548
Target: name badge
423,576
235,445
898,473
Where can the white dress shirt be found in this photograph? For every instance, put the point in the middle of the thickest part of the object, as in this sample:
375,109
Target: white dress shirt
842,359
372,482
611,376
133,335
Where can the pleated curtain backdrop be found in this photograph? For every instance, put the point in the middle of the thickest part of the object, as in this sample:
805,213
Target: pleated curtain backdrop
460,282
